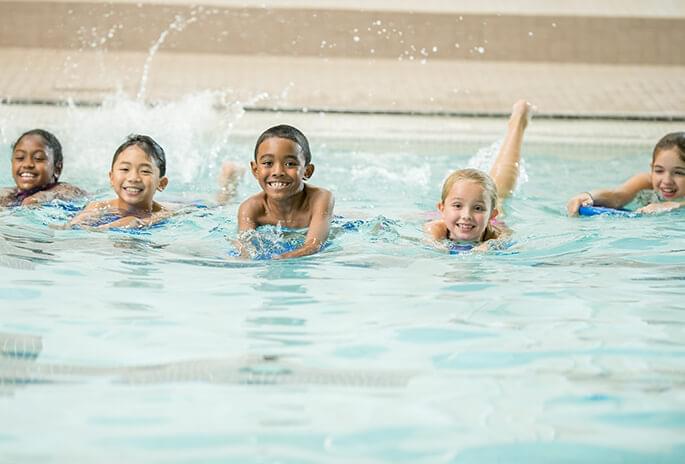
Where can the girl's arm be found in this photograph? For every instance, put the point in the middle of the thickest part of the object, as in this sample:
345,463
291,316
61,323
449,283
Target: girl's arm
661,207
7,196
436,229
65,192
612,198
92,211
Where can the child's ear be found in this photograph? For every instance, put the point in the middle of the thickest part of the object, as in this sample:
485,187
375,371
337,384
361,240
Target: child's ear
440,206
58,170
308,171
163,182
253,168
494,214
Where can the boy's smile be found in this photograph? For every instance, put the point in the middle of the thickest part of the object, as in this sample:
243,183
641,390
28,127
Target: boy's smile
668,174
33,164
466,211
135,179
280,168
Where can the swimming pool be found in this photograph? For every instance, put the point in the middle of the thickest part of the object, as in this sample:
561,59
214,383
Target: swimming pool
566,347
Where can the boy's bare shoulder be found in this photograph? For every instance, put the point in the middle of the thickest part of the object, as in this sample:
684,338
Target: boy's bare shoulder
254,202
319,194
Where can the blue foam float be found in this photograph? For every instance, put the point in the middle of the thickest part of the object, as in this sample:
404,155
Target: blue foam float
603,210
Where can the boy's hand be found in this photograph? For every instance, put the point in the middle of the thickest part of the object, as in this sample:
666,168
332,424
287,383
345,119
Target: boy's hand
574,204
654,208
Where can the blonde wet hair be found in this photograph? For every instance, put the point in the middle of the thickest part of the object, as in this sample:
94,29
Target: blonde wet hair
473,175
486,182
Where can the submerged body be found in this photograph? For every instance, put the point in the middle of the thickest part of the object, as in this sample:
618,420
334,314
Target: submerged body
472,200
36,166
282,165
660,190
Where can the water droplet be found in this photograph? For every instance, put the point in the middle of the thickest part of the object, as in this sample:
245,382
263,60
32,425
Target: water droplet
356,38
480,50
530,34
435,49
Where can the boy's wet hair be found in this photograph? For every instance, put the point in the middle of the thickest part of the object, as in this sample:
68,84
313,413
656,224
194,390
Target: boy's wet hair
51,142
668,141
149,146
285,131
474,175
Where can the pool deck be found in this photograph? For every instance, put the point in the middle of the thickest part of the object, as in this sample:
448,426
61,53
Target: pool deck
615,60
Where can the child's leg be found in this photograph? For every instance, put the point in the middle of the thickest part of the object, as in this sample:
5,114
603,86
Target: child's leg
229,177
505,171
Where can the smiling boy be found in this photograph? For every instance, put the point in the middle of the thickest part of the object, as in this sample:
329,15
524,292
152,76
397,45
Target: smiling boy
282,165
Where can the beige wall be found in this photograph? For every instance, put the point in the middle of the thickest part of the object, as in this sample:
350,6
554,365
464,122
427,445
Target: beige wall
336,33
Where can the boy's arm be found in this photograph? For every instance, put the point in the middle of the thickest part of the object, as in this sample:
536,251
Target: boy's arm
320,224
247,220
65,192
612,198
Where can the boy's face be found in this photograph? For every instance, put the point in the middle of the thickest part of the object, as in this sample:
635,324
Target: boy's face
135,178
280,168
466,211
33,164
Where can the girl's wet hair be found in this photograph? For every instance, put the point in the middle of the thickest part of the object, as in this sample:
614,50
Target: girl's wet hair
482,179
668,141
50,142
474,175
286,132
149,146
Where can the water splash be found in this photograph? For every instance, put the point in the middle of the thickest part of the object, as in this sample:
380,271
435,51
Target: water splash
179,23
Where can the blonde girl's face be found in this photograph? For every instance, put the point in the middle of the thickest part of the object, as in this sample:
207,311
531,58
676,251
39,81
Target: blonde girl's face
466,211
668,174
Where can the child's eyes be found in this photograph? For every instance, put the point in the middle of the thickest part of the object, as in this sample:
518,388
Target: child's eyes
267,163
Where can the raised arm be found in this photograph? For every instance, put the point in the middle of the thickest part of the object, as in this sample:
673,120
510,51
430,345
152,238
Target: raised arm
612,198
317,234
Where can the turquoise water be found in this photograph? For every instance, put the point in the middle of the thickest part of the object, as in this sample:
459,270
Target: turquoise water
161,347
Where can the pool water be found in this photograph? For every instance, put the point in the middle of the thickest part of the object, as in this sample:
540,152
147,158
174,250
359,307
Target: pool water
160,346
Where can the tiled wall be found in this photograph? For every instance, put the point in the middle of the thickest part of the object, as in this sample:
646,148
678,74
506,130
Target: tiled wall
343,33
